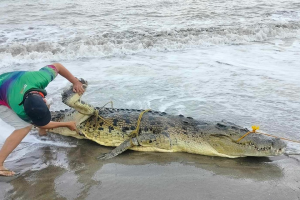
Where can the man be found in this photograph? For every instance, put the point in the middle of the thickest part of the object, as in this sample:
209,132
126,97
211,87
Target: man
22,104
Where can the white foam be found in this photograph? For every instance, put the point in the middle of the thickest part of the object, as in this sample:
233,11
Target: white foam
95,46
143,26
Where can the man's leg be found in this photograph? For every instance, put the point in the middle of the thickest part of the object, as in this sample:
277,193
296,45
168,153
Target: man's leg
22,129
10,144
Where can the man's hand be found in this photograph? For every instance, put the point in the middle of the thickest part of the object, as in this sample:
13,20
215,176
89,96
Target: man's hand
42,132
78,87
72,125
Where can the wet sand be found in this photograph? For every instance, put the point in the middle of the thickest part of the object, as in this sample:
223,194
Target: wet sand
51,172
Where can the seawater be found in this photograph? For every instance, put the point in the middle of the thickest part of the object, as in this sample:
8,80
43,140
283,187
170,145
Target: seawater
210,60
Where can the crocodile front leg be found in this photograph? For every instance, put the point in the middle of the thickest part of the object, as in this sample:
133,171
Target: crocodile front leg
127,144
158,142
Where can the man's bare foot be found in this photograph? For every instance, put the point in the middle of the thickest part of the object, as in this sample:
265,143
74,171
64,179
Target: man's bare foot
6,172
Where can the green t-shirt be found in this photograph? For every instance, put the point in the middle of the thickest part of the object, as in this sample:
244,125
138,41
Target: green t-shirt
13,86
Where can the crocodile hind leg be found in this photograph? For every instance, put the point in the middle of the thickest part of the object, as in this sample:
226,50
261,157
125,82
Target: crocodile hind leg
127,144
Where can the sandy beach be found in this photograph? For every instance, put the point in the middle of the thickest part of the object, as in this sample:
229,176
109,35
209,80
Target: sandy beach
75,173
211,60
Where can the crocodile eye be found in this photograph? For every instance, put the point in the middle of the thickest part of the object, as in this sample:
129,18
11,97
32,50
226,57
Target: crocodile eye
221,126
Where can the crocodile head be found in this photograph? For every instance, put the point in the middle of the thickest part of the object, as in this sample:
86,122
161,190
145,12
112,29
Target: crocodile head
225,136
69,97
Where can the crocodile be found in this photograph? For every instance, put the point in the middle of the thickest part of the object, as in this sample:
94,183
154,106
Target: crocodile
159,131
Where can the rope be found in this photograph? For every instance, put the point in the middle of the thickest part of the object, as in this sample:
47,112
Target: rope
136,131
96,117
254,128
96,114
111,103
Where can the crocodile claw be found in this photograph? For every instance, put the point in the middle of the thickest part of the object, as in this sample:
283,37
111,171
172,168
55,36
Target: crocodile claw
106,156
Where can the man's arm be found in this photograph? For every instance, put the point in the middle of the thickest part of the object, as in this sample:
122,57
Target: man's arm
71,125
77,85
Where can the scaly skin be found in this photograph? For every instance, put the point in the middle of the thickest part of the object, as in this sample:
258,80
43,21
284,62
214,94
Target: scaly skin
160,132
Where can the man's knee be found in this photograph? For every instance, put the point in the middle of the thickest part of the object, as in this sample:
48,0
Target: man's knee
28,127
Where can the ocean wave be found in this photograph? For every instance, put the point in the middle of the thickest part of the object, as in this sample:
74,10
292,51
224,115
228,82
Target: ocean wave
130,42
